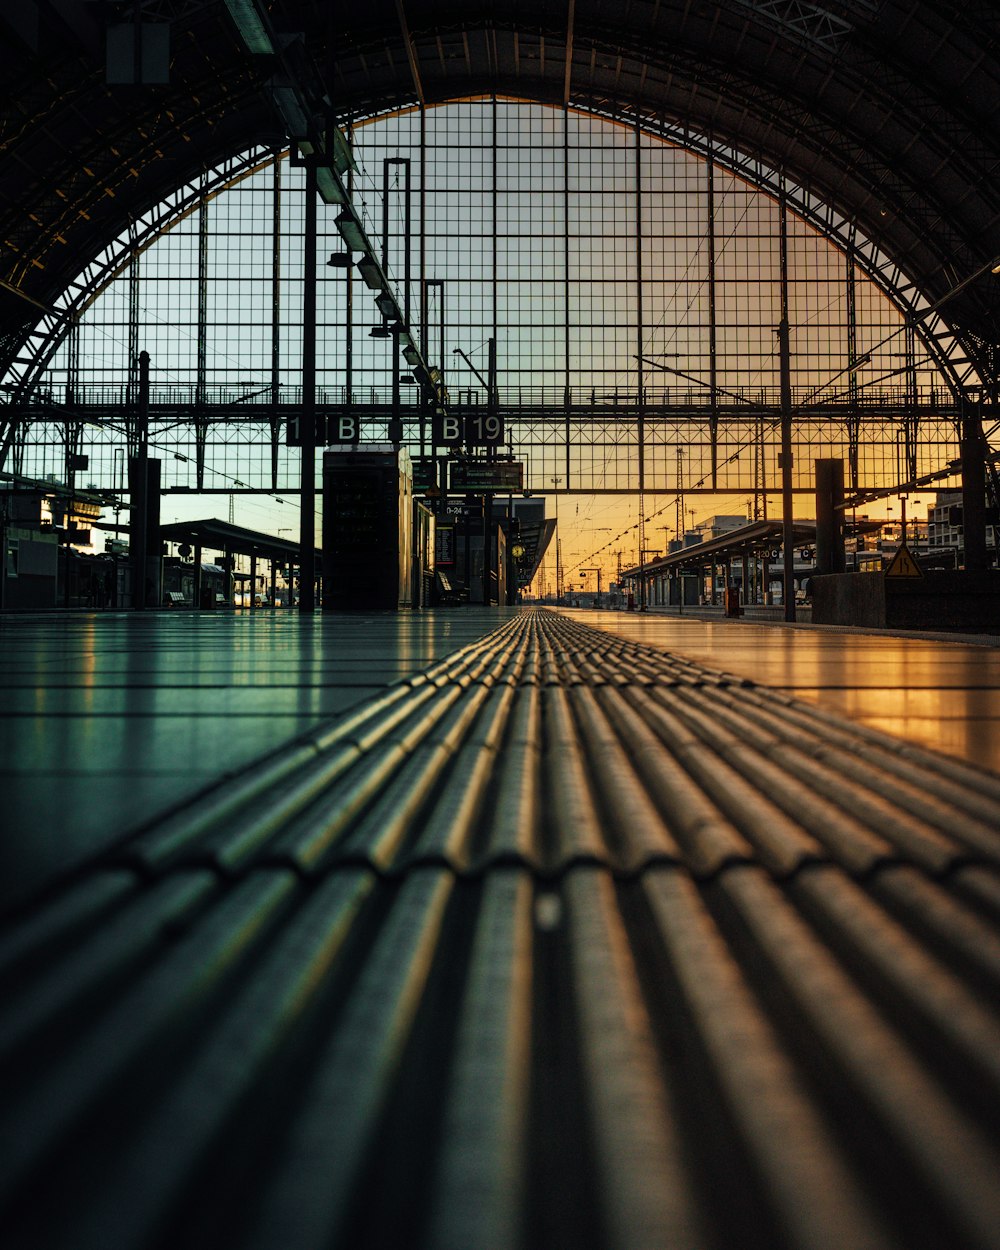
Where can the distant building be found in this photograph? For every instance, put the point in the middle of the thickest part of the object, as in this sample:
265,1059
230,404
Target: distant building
945,528
714,527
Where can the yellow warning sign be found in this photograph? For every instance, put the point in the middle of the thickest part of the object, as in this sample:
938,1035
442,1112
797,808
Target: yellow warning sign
903,564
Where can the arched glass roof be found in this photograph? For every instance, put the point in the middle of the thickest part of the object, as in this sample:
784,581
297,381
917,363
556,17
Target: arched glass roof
606,261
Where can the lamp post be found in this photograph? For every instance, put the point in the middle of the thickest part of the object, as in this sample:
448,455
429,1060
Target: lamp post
555,483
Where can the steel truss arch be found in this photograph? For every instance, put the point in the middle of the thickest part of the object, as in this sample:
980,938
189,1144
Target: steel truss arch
39,345
943,345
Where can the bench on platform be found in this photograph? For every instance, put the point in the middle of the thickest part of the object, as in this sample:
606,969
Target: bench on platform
446,592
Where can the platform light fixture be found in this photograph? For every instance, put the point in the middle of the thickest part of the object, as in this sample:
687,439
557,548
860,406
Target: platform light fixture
339,260
386,305
371,274
411,355
352,232
330,189
342,158
250,25
289,105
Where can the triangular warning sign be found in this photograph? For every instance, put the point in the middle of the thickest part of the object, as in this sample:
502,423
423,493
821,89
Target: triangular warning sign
903,564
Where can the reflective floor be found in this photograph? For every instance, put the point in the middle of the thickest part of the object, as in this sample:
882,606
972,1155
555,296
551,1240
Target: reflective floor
109,721
940,694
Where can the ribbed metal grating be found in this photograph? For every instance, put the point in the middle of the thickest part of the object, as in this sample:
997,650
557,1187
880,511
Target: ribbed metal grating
563,942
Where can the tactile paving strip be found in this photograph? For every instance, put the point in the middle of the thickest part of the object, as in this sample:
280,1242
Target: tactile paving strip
565,941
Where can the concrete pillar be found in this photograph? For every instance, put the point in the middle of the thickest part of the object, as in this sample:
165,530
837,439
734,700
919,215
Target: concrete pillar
973,487
830,554
197,575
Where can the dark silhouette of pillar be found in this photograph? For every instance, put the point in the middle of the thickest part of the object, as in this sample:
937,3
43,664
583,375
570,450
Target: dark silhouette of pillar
830,555
973,487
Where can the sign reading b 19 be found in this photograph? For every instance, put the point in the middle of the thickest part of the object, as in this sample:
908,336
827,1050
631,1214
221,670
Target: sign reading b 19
482,430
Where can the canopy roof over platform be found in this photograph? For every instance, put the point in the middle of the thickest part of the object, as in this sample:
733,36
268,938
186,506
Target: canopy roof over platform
753,539
221,536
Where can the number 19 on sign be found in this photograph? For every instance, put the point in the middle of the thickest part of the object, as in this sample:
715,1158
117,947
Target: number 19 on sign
483,431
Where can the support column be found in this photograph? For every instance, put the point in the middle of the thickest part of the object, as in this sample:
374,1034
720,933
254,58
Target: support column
640,411
307,518
491,378
422,288
196,588
275,417
567,394
713,358
973,487
201,372
830,554
133,339
853,419
787,518
139,488
253,582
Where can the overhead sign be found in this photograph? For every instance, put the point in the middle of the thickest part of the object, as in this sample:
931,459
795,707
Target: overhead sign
424,473
446,429
484,430
464,508
294,431
332,430
486,475
903,564
444,544
451,429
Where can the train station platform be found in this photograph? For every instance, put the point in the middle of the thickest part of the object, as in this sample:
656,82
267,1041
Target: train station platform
504,928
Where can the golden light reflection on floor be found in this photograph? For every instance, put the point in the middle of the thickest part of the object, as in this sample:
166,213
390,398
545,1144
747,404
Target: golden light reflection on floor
942,695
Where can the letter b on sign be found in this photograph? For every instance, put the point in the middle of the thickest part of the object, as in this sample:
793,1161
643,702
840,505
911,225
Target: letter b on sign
345,429
447,430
